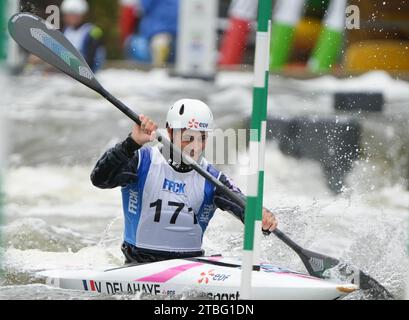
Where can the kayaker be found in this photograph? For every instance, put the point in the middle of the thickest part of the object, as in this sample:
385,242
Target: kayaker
167,205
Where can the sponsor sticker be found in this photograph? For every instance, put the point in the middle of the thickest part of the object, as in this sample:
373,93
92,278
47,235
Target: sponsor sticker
205,277
193,124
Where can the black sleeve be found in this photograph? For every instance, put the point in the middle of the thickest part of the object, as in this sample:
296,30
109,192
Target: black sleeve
117,167
224,203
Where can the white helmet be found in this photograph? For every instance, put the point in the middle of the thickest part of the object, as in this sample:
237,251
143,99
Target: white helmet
190,114
80,7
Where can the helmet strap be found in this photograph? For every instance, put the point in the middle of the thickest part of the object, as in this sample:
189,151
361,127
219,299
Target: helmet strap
176,164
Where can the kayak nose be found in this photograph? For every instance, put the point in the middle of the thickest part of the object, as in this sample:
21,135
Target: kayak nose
347,288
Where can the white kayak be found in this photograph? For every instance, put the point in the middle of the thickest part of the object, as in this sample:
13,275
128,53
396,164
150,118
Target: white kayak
214,278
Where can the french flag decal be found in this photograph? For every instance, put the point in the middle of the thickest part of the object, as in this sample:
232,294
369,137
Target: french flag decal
90,287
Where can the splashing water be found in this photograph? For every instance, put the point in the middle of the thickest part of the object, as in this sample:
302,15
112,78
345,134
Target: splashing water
55,219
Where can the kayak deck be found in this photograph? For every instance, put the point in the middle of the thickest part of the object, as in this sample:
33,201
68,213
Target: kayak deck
214,278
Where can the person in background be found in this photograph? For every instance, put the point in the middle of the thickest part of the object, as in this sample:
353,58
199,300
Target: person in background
85,36
129,18
155,23
235,39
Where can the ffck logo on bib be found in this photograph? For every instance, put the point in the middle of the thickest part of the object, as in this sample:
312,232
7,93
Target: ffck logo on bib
174,187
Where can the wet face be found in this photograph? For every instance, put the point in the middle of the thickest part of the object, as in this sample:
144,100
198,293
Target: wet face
192,143
73,20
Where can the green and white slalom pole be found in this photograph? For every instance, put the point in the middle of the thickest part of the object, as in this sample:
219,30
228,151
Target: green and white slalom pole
3,30
10,52
287,14
253,213
330,42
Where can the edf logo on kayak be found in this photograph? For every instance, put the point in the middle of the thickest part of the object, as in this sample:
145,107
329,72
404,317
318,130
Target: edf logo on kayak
175,187
205,277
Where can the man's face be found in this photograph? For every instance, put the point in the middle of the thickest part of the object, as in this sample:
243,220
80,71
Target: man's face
192,143
73,20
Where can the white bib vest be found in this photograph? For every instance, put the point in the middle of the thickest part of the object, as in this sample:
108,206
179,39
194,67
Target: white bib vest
77,36
166,210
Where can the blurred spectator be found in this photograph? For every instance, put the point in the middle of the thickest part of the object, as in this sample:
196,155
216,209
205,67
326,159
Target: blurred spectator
234,42
128,18
85,36
154,38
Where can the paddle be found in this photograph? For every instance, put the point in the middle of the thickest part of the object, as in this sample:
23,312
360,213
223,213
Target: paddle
319,265
39,38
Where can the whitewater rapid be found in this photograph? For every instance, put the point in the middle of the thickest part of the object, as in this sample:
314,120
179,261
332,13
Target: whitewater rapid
55,218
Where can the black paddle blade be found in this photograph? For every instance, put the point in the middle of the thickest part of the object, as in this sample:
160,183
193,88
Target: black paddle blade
40,38
322,266
317,264
366,283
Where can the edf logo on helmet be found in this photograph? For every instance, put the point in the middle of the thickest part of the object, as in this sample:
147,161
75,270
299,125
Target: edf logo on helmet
193,124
